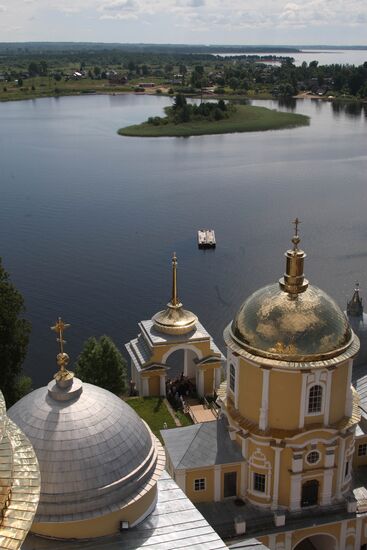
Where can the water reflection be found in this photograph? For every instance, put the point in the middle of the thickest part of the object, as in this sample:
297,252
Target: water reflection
351,109
288,103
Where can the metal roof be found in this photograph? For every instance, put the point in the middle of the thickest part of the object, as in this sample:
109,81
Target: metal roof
200,445
92,452
174,524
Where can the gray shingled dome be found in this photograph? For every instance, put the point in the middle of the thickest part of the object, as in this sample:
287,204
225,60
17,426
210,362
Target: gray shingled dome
94,452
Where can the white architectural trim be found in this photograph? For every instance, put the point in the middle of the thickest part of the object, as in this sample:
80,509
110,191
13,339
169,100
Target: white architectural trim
327,487
357,544
343,534
200,382
341,466
243,479
329,381
162,384
258,464
349,392
302,401
263,420
184,347
145,384
277,451
217,483
295,496
236,384
288,541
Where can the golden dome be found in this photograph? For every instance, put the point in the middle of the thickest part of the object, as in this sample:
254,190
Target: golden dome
174,319
292,320
307,327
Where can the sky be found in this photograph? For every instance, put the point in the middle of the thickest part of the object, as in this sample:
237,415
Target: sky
338,22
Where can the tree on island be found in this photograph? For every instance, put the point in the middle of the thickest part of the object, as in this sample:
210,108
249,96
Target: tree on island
14,336
102,364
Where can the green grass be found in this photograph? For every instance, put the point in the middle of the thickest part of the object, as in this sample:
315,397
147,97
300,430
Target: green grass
246,118
154,411
184,419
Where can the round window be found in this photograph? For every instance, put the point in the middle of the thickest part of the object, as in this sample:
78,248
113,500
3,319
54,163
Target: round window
313,457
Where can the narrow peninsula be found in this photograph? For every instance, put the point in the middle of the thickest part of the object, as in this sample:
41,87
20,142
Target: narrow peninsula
184,119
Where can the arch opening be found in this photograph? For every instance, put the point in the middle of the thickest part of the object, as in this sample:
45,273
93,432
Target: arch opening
182,374
317,542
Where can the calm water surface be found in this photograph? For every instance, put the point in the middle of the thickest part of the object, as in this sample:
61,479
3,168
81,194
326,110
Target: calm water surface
324,57
89,219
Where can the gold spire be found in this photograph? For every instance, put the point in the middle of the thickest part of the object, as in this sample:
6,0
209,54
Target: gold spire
174,301
174,319
294,281
62,358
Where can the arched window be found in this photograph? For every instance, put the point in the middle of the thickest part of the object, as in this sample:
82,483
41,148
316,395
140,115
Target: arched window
315,399
232,377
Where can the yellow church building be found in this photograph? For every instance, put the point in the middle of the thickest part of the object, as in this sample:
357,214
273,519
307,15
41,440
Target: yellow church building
172,330
285,460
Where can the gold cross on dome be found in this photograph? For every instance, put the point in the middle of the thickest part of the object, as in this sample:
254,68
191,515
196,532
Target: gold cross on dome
59,328
296,223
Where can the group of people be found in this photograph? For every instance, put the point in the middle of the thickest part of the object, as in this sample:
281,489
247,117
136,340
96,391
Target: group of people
179,389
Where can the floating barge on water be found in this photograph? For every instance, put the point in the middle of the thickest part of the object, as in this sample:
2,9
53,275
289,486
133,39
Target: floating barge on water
206,238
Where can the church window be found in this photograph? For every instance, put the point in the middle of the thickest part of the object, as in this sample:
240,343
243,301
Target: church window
313,457
362,449
259,482
315,399
232,377
199,484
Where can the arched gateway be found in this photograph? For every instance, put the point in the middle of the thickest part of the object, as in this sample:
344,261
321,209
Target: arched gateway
169,331
317,542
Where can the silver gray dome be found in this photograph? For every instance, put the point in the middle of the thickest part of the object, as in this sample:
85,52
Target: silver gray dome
94,452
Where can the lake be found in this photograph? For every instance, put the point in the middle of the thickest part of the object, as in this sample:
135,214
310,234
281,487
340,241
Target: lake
89,219
324,57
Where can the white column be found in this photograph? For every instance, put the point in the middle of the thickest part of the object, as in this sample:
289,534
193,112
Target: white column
349,393
180,479
236,385
162,381
343,534
200,383
295,498
217,484
145,382
327,487
329,381
303,401
341,466
243,484
244,472
217,377
263,420
272,541
357,544
288,541
277,451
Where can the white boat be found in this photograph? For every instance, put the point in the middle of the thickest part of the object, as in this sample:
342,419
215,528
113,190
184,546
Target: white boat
206,238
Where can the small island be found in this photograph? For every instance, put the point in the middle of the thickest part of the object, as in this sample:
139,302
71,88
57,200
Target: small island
184,119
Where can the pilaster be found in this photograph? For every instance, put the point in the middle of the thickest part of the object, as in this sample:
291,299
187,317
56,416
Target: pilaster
264,410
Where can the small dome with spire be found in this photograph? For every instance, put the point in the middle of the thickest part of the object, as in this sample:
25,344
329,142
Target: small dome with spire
292,320
174,319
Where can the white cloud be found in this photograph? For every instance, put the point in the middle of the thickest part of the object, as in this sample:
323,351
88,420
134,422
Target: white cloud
2,8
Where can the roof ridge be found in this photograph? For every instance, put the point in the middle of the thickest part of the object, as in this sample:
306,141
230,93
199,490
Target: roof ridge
192,441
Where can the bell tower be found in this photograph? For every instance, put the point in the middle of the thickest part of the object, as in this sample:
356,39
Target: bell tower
289,398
